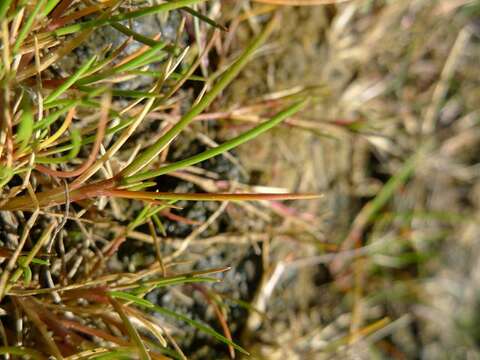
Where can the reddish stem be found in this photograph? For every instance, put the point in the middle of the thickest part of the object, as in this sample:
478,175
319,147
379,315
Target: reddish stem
102,124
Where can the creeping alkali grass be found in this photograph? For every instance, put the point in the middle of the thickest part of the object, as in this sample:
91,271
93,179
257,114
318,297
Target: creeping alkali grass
49,122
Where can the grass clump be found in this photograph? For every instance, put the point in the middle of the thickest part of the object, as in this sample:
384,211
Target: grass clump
73,152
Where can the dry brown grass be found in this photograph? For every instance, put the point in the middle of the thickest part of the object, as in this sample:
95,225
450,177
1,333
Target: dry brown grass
394,80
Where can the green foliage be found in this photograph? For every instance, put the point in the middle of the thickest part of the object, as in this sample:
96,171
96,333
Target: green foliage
83,118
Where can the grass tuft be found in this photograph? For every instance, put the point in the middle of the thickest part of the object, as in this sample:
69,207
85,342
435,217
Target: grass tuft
76,156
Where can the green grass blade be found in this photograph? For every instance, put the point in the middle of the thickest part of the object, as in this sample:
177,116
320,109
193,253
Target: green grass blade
146,213
174,75
177,279
25,127
171,282
4,6
140,219
48,120
90,139
369,212
25,261
116,354
127,16
199,326
138,37
21,351
141,59
148,56
70,81
40,262
123,93
132,332
204,18
50,6
251,134
130,297
6,174
27,276
156,209
150,153
27,26
140,186
76,146
159,224
150,60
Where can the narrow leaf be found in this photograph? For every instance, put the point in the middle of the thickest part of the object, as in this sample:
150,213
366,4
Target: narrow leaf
138,37
130,297
115,354
204,18
204,328
251,134
138,61
76,146
70,81
127,16
150,153
48,120
146,195
4,6
27,276
25,127
172,282
50,6
201,327
142,350
27,26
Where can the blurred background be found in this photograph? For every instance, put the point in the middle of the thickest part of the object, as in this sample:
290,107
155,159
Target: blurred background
386,264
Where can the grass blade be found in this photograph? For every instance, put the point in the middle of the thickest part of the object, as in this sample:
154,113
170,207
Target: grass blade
127,16
204,18
130,297
25,127
249,135
115,354
48,120
138,37
150,153
76,147
178,279
21,351
50,6
147,195
27,26
4,6
138,61
70,81
199,326
370,210
171,282
142,350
